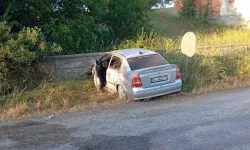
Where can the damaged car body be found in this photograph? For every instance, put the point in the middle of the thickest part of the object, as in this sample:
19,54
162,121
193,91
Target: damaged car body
136,74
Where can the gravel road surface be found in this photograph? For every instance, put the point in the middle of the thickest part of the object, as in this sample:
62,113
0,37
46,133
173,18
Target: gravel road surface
210,121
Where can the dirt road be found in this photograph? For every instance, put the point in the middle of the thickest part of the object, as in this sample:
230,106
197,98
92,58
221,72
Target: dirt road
211,121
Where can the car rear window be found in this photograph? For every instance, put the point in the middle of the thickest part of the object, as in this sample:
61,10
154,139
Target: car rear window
147,61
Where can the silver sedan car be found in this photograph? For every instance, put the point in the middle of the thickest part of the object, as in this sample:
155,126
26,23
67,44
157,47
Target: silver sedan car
136,74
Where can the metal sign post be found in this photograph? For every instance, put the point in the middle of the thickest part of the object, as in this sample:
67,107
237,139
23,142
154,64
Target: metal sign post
188,47
186,70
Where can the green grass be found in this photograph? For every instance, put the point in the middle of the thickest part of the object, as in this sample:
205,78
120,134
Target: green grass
166,22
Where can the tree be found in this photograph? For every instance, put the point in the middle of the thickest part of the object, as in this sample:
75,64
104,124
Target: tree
127,18
93,25
78,25
28,13
188,9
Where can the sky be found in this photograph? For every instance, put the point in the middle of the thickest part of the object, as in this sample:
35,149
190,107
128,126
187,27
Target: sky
243,7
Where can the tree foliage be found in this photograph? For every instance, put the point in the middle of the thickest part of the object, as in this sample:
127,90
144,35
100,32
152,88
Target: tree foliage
26,13
188,9
78,25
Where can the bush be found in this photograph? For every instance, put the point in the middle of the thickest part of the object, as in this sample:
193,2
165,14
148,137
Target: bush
18,55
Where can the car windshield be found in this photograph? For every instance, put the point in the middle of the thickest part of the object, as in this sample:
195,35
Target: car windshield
147,61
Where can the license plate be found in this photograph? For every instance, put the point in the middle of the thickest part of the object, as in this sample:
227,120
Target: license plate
160,78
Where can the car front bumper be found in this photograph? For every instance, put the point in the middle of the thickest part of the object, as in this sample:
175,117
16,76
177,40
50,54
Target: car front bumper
141,93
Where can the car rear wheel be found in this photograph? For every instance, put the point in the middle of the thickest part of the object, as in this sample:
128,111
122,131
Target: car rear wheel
121,93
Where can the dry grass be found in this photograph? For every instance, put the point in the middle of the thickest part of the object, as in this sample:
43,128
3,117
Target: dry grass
15,111
61,96
226,84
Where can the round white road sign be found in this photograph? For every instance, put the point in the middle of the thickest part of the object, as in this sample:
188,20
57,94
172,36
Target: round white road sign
189,44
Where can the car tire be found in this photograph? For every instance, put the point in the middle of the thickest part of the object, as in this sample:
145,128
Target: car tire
122,95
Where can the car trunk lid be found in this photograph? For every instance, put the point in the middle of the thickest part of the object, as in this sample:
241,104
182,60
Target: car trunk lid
159,75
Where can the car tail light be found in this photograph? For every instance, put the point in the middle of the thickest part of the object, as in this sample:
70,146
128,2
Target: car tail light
136,82
178,73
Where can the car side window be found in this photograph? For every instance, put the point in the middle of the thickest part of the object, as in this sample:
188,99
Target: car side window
115,63
105,57
105,60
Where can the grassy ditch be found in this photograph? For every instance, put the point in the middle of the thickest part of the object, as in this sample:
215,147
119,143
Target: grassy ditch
59,96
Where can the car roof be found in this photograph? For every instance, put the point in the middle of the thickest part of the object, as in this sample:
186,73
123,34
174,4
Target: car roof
134,52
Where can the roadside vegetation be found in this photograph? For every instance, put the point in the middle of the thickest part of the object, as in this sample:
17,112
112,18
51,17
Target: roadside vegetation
210,65
222,60
51,97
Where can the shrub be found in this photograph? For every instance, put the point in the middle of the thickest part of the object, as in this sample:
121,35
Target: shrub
18,55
